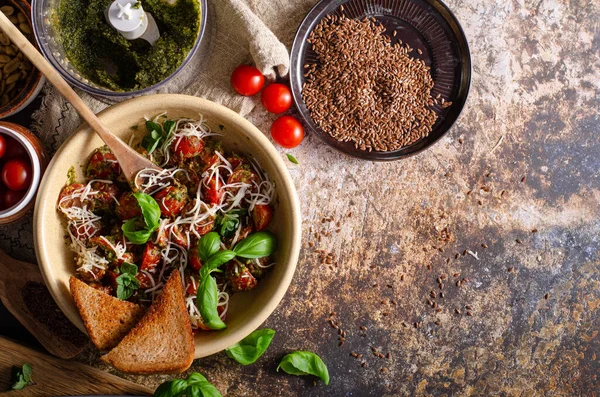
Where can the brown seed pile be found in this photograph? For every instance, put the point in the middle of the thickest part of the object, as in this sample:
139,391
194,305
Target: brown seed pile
365,90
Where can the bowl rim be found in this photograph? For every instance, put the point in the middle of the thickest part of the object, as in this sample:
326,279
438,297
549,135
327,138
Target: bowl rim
203,105
295,82
36,165
115,95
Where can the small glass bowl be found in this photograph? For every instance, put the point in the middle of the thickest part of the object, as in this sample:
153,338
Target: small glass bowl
425,24
47,39
39,160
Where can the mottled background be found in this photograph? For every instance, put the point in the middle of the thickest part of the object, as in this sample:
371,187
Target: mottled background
534,202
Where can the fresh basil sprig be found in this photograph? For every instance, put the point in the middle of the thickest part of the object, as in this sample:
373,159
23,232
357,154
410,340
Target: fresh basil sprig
127,283
208,245
157,135
256,245
249,349
207,299
304,363
21,377
195,385
150,216
229,222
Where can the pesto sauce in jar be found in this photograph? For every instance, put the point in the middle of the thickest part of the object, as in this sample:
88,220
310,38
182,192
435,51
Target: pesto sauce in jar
99,53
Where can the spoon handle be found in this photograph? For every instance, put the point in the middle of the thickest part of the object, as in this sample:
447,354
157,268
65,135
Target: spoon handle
131,161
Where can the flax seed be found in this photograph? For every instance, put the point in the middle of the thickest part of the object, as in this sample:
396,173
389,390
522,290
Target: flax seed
484,245
519,241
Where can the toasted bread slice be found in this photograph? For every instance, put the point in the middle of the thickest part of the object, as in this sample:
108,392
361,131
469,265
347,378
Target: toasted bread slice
106,318
162,342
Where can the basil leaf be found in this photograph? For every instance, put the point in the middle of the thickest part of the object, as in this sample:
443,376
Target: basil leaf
196,377
208,245
249,349
152,126
21,376
292,158
135,236
219,258
209,390
207,299
256,245
168,127
150,210
172,388
127,284
304,363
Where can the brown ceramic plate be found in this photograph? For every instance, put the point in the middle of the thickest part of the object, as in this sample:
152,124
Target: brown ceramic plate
247,310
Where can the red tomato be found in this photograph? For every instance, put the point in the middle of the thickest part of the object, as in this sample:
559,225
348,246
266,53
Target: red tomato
187,147
128,207
276,98
247,80
210,193
194,260
262,214
287,132
150,257
16,174
2,146
14,148
171,200
103,165
145,280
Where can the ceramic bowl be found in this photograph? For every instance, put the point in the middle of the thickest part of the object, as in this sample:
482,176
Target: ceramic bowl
38,158
247,310
32,86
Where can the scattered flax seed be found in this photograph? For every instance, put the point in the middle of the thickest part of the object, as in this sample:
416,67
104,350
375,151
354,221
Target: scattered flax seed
395,33
546,296
364,364
402,277
484,245
456,274
458,283
359,356
375,285
341,344
479,202
457,311
439,280
432,294
519,241
534,230
311,244
384,369
388,356
523,179
511,269
383,302
342,8
469,314
428,266
394,302
389,286
460,140
456,256
353,354
373,266
468,307
441,250
404,324
363,328
439,309
385,314
442,295
416,325
419,51
485,189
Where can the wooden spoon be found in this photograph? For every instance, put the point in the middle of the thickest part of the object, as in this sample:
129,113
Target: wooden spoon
130,161
23,293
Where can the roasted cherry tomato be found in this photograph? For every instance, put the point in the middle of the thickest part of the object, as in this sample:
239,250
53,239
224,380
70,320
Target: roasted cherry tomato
247,80
235,160
210,193
94,274
104,200
194,260
65,199
171,200
243,174
86,230
103,165
16,174
287,132
150,257
145,280
128,207
276,98
262,214
240,277
14,149
202,227
2,146
178,236
187,147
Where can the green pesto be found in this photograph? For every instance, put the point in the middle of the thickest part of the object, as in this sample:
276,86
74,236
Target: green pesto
98,52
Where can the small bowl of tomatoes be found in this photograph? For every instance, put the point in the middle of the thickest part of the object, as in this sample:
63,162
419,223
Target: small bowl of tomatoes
22,163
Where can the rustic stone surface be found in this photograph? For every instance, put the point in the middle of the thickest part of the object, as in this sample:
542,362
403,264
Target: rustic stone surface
535,305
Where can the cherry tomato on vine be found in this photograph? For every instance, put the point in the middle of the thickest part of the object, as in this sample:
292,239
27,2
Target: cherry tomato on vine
287,132
2,146
247,80
16,174
276,98
11,198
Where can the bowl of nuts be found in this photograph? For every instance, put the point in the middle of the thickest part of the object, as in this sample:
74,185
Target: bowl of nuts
20,82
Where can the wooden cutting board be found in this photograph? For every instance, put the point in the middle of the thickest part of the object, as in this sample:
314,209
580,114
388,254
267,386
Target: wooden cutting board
56,377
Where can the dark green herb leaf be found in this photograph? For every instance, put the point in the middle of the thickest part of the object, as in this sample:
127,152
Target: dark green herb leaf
207,299
219,258
249,349
21,377
169,127
256,245
172,388
304,363
133,235
152,126
127,284
150,210
208,245
292,158
229,222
